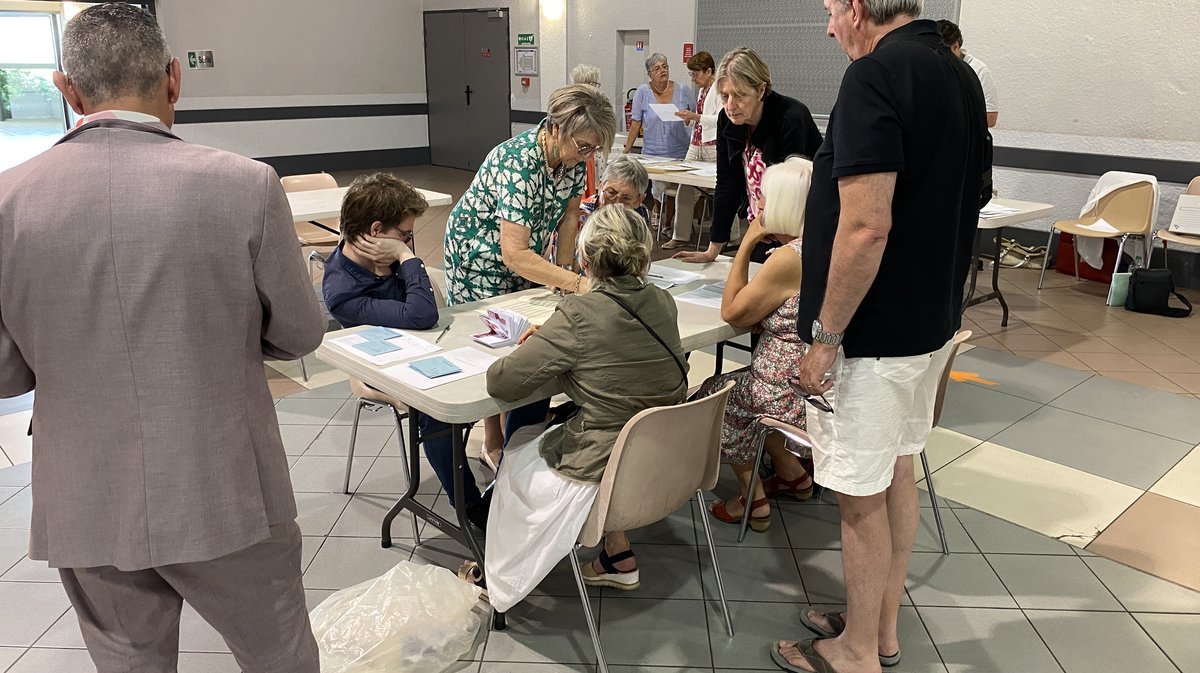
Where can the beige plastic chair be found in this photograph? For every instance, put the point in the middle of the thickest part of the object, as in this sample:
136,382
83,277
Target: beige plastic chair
663,457
802,438
1128,209
308,233
1172,237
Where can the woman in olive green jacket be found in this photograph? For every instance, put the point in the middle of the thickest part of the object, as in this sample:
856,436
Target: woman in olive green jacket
613,366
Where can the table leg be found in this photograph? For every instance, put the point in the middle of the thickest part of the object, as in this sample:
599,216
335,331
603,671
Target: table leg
460,505
414,479
999,234
408,501
974,268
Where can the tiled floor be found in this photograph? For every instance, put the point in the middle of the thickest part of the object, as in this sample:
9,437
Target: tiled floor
1076,424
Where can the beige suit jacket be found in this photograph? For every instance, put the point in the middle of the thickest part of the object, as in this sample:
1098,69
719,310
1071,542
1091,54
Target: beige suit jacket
142,282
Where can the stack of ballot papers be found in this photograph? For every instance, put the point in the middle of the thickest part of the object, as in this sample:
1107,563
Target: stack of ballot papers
708,296
507,321
383,345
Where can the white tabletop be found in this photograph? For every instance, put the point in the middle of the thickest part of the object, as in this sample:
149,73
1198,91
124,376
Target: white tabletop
665,172
323,204
466,400
1026,211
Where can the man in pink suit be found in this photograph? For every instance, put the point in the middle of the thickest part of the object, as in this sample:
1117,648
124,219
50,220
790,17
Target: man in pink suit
143,280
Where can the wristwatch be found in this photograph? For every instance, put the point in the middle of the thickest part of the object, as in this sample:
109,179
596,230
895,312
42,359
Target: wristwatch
819,335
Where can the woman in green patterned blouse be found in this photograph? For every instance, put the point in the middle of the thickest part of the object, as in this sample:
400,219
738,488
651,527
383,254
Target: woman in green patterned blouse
528,188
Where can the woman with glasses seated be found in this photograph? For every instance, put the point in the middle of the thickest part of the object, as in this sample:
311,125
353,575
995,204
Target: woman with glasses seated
625,183
768,302
527,189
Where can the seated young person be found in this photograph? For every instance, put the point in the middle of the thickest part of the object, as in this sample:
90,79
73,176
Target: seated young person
373,278
769,302
612,367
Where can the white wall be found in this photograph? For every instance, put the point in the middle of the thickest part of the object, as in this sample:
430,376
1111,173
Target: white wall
1098,78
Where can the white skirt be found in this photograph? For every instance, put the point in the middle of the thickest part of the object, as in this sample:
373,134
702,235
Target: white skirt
534,521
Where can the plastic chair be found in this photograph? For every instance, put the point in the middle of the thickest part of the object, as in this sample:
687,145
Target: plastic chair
662,458
1128,209
769,424
1166,236
310,234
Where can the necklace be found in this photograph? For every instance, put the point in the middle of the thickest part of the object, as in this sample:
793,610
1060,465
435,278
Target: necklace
664,89
555,173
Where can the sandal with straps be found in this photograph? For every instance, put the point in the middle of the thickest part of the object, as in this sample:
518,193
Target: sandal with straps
775,485
759,524
611,577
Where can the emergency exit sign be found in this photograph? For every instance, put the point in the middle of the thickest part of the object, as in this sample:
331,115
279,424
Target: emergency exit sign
525,39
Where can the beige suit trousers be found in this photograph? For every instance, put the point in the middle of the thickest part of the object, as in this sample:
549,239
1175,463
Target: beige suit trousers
253,597
685,200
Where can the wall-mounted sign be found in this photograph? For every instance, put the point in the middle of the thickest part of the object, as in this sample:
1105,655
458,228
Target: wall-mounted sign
200,60
640,46
525,39
485,53
689,49
526,59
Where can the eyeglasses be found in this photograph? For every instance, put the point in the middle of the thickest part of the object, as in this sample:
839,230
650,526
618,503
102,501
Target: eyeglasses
583,149
613,196
817,401
661,68
404,236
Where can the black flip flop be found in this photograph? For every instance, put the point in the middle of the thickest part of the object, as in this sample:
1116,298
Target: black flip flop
810,654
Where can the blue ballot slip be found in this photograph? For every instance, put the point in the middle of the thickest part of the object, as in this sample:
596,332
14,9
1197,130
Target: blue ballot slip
376,347
435,367
379,334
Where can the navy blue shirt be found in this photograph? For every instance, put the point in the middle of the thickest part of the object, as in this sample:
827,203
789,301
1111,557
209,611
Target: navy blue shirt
356,296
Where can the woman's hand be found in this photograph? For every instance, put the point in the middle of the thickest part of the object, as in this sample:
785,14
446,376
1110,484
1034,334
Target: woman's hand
688,116
754,233
528,333
383,251
693,257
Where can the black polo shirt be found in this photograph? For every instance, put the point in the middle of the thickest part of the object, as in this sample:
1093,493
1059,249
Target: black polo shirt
912,108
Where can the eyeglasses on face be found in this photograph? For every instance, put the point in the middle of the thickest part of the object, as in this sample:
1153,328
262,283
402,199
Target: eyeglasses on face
583,149
613,196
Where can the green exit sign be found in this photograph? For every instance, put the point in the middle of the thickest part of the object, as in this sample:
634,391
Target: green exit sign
525,39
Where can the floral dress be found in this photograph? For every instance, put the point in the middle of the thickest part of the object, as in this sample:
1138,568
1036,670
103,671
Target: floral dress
763,387
514,183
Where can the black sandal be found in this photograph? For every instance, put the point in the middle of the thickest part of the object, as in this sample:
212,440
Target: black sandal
612,577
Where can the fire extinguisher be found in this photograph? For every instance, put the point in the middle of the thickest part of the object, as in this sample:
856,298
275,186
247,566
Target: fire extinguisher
629,110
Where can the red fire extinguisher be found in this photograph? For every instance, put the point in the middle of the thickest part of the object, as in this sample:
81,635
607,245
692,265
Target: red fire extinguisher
629,110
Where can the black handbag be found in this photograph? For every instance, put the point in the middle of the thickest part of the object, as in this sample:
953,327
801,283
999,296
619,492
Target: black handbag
1150,291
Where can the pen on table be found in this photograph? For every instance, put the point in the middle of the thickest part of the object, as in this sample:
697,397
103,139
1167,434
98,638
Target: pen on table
444,330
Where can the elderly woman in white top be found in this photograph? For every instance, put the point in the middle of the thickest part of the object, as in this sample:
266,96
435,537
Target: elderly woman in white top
703,123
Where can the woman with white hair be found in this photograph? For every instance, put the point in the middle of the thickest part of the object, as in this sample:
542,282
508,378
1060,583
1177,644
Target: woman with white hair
769,302
625,183
615,351
660,138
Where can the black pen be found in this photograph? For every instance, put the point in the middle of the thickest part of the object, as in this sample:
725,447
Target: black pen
444,330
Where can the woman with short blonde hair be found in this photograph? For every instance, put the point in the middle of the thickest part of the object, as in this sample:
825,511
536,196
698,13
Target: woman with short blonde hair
769,301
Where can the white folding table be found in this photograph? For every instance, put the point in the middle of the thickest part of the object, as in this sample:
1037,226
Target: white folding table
1025,211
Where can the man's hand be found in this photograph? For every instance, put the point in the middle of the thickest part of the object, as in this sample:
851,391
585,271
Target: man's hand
815,364
383,251
693,257
526,334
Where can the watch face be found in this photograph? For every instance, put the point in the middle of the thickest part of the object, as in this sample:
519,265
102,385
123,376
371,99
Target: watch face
816,328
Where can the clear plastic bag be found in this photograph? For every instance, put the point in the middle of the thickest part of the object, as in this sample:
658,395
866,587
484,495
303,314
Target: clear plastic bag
413,619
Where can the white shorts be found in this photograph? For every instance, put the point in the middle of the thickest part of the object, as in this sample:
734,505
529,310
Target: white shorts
882,409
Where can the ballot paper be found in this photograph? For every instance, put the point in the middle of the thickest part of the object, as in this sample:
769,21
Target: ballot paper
470,362
506,322
383,346
667,278
666,112
708,296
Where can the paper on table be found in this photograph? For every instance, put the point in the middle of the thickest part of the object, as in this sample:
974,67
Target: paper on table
706,172
993,209
675,276
666,112
708,296
650,159
400,347
699,165
1101,227
537,308
470,360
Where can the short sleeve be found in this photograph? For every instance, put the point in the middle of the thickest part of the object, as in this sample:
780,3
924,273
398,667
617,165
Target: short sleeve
868,133
509,181
639,101
991,98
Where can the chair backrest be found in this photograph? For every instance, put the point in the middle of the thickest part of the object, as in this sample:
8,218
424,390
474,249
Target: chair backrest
1194,186
308,182
662,456
960,338
437,278
1129,209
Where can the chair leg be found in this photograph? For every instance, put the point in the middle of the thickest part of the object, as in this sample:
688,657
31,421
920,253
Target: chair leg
712,548
404,463
1120,251
937,513
758,456
303,370
587,609
1046,258
353,437
720,358
1076,251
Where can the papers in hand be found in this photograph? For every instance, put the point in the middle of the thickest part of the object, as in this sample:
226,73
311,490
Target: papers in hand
506,322
667,278
708,296
666,112
469,362
383,345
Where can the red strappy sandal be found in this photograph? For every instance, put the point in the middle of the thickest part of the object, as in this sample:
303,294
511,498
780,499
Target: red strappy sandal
775,485
759,524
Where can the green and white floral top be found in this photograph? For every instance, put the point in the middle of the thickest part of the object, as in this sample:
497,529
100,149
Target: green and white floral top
515,184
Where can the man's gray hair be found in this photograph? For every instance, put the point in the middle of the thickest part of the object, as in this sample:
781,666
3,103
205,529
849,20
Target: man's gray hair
654,58
882,11
585,74
627,170
114,50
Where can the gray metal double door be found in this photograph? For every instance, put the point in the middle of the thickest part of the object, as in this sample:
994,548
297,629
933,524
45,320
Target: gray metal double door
467,82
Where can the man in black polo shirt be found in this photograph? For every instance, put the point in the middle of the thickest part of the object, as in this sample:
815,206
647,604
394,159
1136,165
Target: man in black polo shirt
891,217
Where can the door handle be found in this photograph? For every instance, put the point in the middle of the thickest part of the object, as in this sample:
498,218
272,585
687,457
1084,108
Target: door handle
468,92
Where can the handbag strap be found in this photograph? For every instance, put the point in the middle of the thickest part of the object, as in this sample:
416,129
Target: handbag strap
654,334
1173,312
